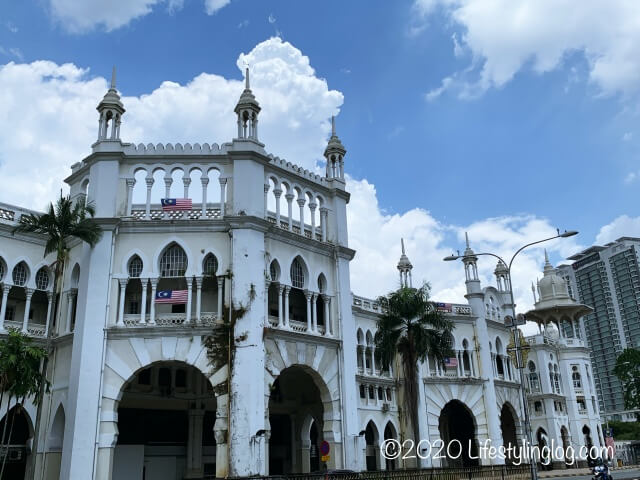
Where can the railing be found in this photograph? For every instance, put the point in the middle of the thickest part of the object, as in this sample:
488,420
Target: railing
168,320
445,308
488,472
11,214
139,212
35,329
295,226
296,326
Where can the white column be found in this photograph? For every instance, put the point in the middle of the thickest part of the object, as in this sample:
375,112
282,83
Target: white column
152,304
280,301
143,302
71,295
312,208
327,320
220,298
277,193
27,306
48,319
460,367
189,295
186,181
223,188
373,360
167,192
307,295
130,183
205,182
123,287
198,298
3,306
289,198
362,351
301,202
149,182
323,222
287,289
314,312
266,198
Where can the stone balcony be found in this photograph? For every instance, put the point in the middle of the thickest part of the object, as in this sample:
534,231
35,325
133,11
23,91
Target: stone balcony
168,320
35,329
297,326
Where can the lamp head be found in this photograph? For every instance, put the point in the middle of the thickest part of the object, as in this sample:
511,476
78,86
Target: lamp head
569,233
451,258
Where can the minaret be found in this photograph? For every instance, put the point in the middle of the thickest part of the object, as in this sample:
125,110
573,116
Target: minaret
111,111
470,262
247,111
405,267
334,153
502,277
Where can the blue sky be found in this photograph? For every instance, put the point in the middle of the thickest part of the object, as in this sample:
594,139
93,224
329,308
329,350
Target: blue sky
530,126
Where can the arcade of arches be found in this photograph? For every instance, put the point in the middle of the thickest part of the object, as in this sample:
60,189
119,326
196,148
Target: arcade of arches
166,424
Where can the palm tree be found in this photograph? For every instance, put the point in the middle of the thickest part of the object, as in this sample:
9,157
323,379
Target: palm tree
20,378
67,220
410,328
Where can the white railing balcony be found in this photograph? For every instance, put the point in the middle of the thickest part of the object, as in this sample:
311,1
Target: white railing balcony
169,320
35,329
296,326
295,226
139,212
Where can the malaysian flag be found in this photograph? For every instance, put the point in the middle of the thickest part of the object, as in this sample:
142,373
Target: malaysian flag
443,307
171,204
171,296
450,362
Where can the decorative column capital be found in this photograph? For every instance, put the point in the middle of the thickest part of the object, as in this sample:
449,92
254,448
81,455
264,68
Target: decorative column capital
186,181
29,292
287,289
281,288
289,197
313,206
130,182
154,281
222,180
204,181
123,283
199,281
325,297
189,281
301,201
149,181
314,296
266,188
324,210
220,282
308,294
49,295
168,181
277,192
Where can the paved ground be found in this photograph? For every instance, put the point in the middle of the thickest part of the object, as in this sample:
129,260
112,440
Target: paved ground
585,474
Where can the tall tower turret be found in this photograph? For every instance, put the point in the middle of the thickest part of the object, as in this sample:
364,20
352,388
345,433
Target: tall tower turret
405,267
502,277
247,111
334,153
111,111
470,262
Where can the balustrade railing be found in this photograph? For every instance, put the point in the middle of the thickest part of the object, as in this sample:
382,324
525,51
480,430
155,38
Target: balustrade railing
296,326
295,226
168,320
35,329
139,212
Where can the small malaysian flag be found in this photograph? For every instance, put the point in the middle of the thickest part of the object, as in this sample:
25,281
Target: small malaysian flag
171,204
443,307
450,362
171,296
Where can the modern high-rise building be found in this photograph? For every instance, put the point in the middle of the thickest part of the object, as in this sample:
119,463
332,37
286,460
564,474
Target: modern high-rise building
607,278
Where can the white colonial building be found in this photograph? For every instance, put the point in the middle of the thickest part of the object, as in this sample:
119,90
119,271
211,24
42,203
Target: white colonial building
141,388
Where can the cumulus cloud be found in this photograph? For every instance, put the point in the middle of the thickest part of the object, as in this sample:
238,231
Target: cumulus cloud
86,15
623,226
504,36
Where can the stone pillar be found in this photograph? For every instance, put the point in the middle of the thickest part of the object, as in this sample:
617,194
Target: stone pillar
205,181
373,360
307,295
189,295
147,211
223,188
280,313
266,198
194,445
198,298
328,326
71,294
152,304
3,305
186,181
220,298
301,202
324,211
48,319
289,198
123,288
130,183
27,306
167,192
312,208
221,431
277,192
314,312
143,302
287,289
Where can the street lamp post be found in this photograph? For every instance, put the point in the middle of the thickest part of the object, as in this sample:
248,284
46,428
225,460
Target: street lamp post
516,337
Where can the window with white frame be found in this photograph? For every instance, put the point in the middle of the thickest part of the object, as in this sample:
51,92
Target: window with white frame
20,274
297,274
210,265
135,267
42,279
173,262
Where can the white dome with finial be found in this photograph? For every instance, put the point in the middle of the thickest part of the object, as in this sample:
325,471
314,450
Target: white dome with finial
552,286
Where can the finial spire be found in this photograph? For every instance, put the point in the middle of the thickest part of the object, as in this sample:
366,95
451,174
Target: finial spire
333,125
466,237
113,78
246,78
402,243
546,256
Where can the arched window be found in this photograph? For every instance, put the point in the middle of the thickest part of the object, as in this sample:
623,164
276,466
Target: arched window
210,265
388,394
19,274
2,268
173,262
575,376
297,274
135,267
274,271
534,381
42,279
322,283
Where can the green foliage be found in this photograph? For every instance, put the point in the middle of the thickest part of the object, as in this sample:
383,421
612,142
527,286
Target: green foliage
627,369
624,430
20,375
411,327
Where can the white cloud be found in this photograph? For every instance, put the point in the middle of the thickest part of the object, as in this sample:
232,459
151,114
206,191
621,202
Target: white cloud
630,178
86,15
505,36
623,226
627,136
